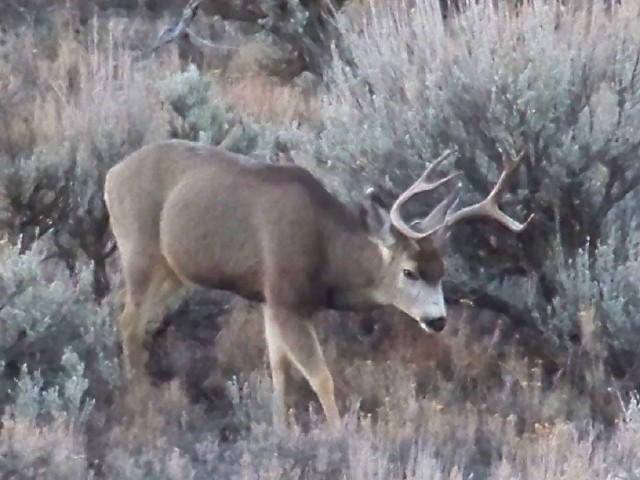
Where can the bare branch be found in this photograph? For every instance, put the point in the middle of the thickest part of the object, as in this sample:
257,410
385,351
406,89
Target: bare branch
173,32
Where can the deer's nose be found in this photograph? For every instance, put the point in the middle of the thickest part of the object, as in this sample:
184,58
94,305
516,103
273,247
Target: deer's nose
436,324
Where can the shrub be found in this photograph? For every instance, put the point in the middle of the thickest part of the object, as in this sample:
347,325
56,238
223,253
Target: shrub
56,340
85,116
66,121
561,84
30,451
200,102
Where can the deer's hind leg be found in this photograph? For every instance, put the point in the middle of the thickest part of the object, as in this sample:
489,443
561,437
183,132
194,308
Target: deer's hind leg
149,284
290,338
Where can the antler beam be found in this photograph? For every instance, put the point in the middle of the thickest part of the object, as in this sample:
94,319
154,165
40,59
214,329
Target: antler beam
420,185
489,206
486,208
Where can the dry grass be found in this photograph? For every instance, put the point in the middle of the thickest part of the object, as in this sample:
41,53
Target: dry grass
407,436
46,98
28,450
268,101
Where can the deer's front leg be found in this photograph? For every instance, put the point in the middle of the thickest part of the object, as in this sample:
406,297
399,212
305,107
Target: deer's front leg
277,363
291,338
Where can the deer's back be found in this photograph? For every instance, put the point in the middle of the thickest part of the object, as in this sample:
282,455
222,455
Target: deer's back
222,221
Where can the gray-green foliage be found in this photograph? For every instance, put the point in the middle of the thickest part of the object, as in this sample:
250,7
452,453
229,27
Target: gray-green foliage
568,93
608,282
59,347
561,84
198,100
34,400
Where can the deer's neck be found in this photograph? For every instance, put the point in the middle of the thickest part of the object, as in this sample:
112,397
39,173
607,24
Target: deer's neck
355,263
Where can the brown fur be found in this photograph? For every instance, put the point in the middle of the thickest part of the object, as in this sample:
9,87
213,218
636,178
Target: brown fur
185,213
429,260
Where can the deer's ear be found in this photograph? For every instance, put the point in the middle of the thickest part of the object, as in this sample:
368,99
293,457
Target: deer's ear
375,217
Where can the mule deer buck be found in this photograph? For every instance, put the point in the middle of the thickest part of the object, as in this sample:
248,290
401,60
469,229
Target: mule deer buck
185,213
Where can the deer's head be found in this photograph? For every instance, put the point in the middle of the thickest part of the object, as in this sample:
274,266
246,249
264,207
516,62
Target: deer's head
413,267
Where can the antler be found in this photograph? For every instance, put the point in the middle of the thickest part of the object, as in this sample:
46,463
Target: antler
171,33
420,185
440,215
489,206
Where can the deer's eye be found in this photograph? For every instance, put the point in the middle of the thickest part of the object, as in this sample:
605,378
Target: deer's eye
411,275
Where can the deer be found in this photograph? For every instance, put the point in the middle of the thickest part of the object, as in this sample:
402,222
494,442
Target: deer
184,213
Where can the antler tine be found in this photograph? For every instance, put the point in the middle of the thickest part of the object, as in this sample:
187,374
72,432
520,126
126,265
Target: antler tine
489,206
420,185
435,164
